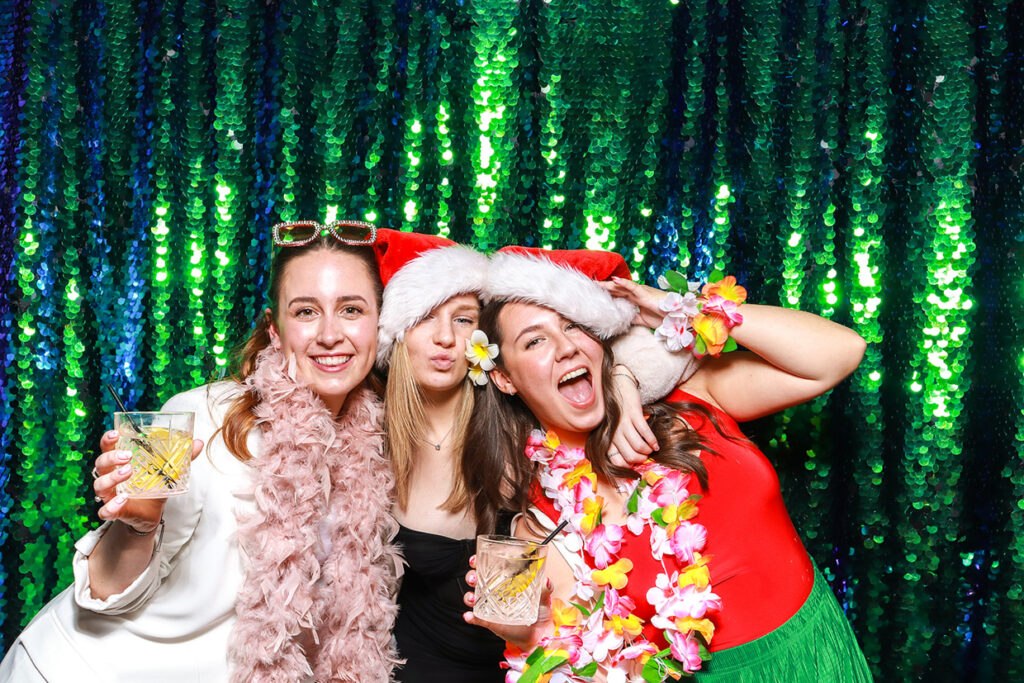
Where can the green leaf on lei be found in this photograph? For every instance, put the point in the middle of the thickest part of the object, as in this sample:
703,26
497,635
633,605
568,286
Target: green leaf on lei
586,672
730,345
676,280
539,663
699,347
633,504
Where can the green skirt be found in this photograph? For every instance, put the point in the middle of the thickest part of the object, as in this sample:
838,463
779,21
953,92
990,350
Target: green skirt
816,645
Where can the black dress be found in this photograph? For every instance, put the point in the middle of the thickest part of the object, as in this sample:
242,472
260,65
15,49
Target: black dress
433,638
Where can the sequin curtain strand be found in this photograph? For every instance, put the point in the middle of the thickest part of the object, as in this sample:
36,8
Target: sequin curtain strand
856,158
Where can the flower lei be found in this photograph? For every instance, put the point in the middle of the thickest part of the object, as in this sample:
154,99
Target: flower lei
480,354
700,323
598,628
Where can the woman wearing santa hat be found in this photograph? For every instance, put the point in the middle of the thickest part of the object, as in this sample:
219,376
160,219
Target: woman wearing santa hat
429,311
690,551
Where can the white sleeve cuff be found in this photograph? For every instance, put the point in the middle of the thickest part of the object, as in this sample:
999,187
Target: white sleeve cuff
132,597
657,370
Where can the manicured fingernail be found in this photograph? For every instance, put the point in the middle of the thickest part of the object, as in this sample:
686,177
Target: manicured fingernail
124,469
119,499
112,434
467,617
123,456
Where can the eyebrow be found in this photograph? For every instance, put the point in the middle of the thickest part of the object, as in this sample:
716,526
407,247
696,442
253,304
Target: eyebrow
314,300
527,330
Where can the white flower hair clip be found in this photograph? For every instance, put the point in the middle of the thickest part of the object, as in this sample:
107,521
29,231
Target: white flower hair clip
480,355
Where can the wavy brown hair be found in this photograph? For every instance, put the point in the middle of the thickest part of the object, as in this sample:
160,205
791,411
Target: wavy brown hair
498,473
240,419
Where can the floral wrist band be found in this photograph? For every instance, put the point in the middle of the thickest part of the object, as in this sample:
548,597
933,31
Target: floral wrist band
700,323
480,354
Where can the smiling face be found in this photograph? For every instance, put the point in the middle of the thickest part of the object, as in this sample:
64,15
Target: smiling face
554,366
437,345
327,317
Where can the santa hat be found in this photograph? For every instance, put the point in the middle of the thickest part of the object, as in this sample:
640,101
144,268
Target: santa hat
564,281
420,272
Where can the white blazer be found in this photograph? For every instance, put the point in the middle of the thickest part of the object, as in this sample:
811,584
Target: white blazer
173,622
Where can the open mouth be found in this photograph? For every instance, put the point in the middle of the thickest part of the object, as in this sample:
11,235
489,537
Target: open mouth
330,362
577,387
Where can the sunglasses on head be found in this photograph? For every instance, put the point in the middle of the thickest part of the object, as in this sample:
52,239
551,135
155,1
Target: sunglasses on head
299,233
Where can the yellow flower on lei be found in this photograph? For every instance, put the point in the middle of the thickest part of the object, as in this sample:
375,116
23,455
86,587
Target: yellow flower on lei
630,626
712,329
551,441
701,626
563,615
613,575
581,471
592,508
696,574
674,514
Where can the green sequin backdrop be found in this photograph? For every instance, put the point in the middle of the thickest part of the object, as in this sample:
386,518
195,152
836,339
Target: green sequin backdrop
856,158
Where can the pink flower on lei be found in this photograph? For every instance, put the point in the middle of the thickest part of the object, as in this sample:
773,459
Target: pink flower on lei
727,307
604,543
670,489
687,539
686,650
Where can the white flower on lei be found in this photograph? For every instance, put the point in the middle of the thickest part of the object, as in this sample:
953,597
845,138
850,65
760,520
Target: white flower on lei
660,544
680,305
674,333
584,587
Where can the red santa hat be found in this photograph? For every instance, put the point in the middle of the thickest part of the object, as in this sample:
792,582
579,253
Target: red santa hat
420,272
564,281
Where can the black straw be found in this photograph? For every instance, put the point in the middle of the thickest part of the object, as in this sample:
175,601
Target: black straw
555,532
124,410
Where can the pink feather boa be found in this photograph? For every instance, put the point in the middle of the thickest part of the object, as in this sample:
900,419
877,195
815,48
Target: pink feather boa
322,487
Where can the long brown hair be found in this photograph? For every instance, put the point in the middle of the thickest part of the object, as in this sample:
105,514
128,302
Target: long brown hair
240,419
500,476
403,425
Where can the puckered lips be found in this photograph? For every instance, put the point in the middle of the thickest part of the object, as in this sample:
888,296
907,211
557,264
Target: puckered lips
577,387
442,362
335,362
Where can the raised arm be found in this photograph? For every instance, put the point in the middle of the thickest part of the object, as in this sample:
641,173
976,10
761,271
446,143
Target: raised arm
791,356
125,550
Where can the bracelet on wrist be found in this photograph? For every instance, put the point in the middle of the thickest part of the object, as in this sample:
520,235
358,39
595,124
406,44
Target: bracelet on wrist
628,375
701,323
135,532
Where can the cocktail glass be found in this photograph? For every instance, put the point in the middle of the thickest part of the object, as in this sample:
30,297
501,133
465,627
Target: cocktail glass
161,448
510,572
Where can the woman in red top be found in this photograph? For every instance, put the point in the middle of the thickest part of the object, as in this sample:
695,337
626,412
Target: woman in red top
692,548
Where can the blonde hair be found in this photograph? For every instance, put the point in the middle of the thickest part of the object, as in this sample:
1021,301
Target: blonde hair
404,418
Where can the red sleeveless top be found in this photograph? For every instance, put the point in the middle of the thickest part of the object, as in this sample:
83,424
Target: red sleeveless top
758,565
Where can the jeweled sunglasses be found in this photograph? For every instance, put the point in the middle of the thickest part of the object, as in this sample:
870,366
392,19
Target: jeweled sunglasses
298,233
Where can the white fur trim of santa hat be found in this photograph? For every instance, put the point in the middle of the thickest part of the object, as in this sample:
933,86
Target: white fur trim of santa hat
656,369
423,284
535,279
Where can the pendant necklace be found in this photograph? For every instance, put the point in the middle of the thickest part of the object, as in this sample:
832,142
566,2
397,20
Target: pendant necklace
437,446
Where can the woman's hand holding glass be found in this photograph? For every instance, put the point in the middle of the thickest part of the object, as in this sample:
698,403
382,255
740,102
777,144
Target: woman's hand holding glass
113,467
524,637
